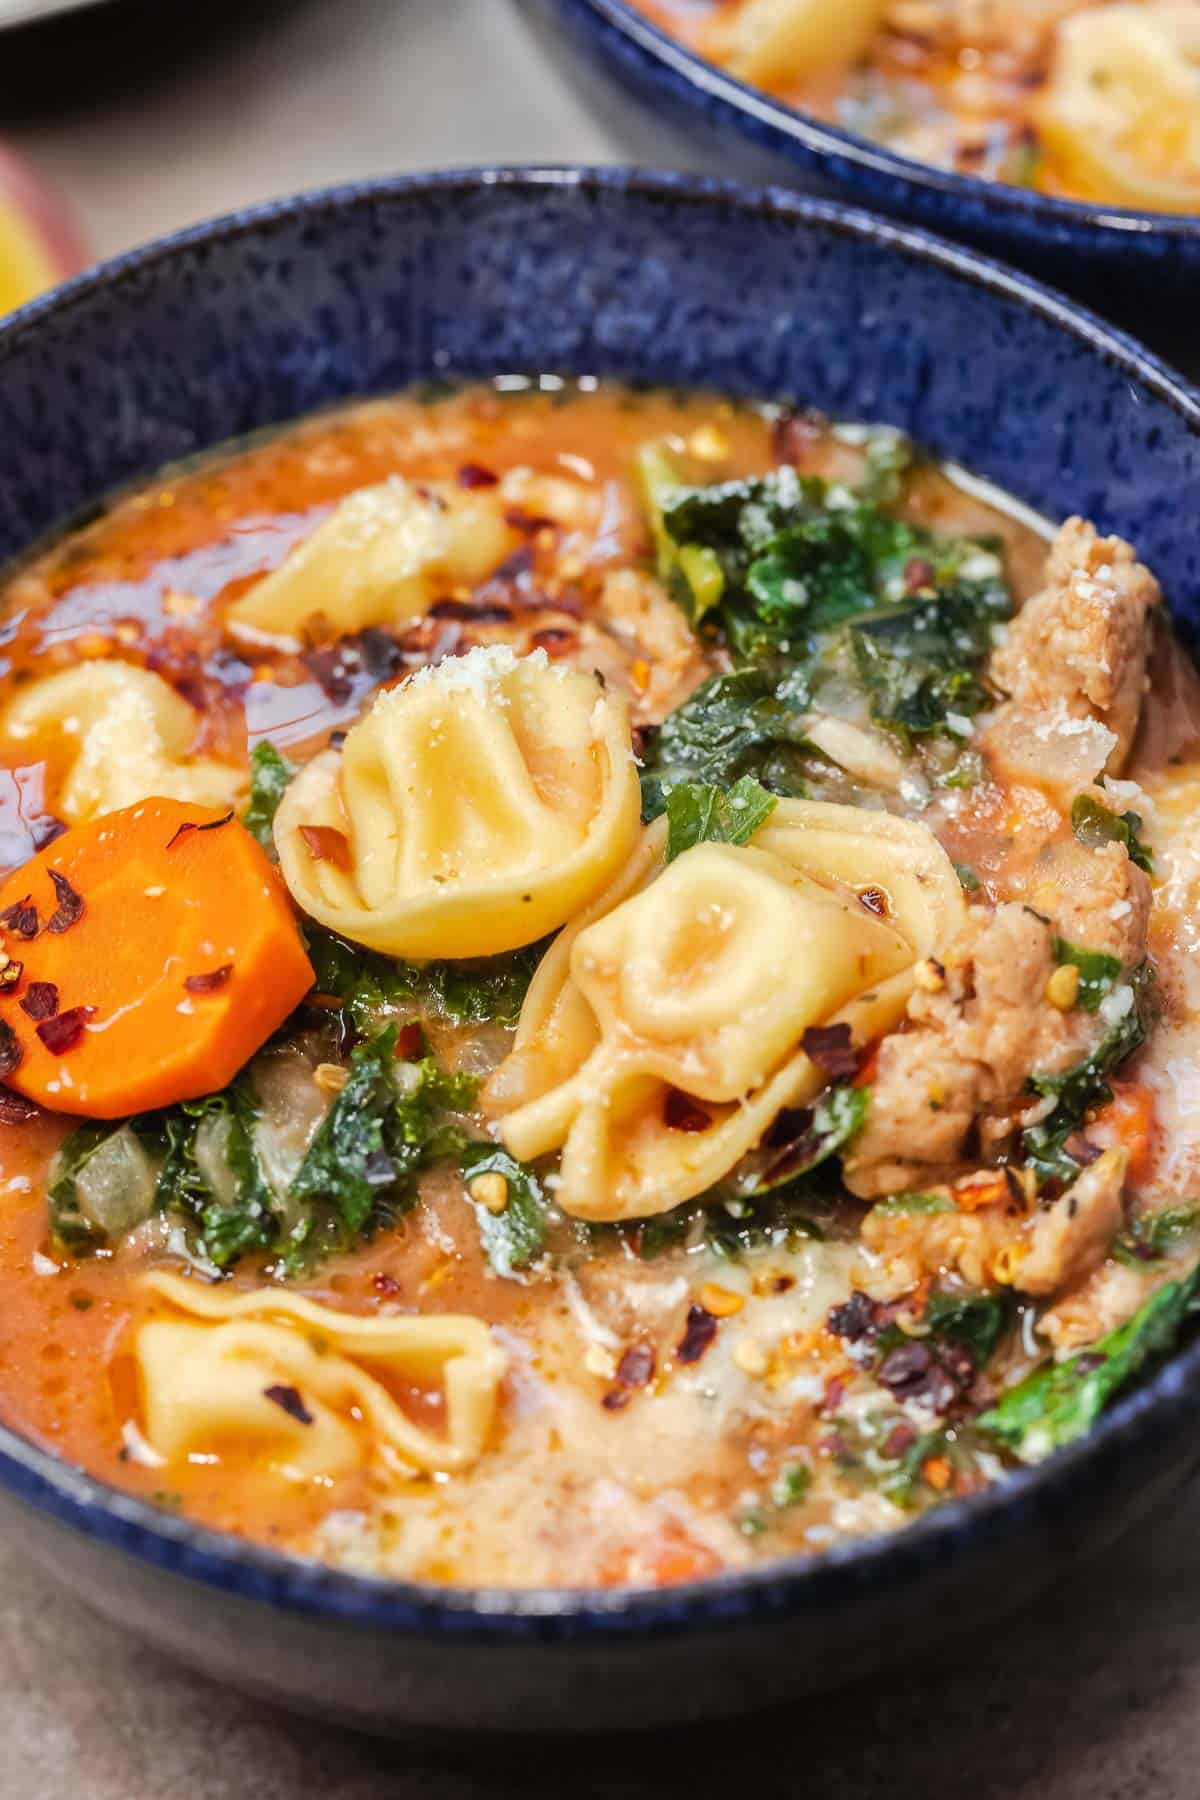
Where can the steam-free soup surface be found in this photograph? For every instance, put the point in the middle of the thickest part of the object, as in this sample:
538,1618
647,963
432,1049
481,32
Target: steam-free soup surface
828,1336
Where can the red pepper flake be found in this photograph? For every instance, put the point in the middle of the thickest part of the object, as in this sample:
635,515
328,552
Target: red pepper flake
919,573
64,1030
40,1000
326,1002
15,1109
289,1399
22,917
553,639
835,1393
682,1113
900,1438
69,910
209,981
478,612
326,844
793,437
10,1049
475,475
1082,1150
875,901
410,1042
190,825
830,1048
699,1332
10,974
528,523
513,567
383,1283
636,1366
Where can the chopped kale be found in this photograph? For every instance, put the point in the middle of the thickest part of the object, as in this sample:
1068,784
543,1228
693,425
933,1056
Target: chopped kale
383,1127
902,1205
732,726
373,989
198,1164
804,1140
1082,1087
777,1220
71,1224
790,1486
515,1237
698,814
1153,1235
816,588
1061,1401
1094,825
270,774
977,1321
1098,972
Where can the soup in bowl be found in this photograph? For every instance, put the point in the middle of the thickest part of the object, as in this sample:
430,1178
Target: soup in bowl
596,963
1095,100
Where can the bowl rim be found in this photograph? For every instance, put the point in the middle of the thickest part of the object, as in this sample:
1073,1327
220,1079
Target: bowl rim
1002,202
49,1484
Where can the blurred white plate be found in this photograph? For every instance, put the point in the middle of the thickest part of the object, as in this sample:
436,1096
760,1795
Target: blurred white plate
28,12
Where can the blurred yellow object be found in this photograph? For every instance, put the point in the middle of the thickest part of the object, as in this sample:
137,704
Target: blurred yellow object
773,42
1120,118
26,267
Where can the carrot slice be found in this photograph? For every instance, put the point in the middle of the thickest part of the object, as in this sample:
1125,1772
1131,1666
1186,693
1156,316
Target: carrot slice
172,950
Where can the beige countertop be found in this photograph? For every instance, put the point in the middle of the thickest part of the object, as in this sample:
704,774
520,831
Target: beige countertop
149,119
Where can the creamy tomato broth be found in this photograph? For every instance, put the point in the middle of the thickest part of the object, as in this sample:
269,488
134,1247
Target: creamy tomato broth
1085,99
596,987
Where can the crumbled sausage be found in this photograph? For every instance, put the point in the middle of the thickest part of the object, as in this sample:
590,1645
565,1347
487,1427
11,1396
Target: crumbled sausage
1074,667
967,1048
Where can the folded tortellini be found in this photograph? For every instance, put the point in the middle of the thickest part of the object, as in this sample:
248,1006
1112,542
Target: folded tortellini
1120,116
698,980
475,808
770,43
270,1377
387,552
130,733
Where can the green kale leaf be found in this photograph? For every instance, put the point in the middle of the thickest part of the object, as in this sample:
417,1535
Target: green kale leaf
374,989
270,774
733,725
698,814
1098,972
1153,1235
516,1237
1080,1088
1061,1401
1094,825
977,1320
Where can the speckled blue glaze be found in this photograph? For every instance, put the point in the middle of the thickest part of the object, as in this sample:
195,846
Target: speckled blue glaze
1107,253
258,318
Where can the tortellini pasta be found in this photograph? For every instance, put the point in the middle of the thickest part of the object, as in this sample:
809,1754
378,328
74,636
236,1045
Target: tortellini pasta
474,809
699,979
271,1377
387,552
1120,117
772,42
131,734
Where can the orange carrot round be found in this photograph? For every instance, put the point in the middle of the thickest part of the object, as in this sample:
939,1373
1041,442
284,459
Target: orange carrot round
157,950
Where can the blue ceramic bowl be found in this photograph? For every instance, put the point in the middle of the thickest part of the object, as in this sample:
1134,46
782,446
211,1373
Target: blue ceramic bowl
651,278
1114,257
